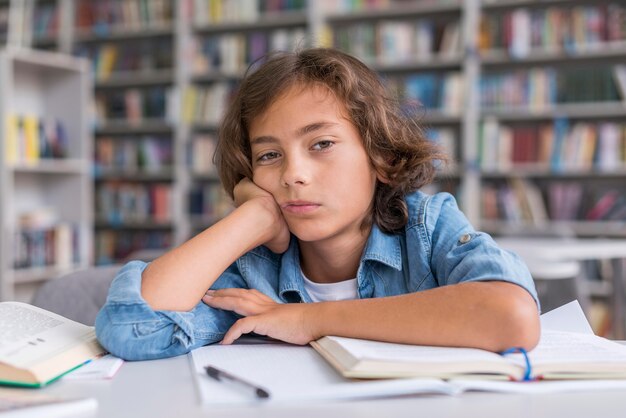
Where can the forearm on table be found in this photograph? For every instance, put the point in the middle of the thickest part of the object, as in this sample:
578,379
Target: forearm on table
178,279
488,315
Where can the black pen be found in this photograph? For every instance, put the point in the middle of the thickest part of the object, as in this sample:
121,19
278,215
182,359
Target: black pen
220,375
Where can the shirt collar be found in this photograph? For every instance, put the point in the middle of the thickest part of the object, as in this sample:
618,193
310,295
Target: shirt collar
290,281
384,248
381,247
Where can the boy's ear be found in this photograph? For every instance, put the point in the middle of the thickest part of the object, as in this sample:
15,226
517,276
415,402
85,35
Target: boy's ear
381,177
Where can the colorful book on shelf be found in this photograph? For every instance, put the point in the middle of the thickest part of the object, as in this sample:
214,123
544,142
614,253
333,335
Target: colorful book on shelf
31,138
12,139
37,346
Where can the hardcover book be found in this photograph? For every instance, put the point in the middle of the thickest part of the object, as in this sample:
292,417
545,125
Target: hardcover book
38,346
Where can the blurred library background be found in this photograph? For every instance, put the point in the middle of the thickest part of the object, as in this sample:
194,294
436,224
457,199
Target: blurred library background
110,110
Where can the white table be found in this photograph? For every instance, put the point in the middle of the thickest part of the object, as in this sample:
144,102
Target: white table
548,253
165,388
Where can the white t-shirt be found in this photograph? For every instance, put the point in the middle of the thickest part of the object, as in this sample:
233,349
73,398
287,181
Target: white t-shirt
324,292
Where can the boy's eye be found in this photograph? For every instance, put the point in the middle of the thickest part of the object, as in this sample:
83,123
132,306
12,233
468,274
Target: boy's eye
268,156
322,145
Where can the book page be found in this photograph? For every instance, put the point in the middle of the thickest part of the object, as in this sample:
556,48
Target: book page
29,334
28,404
375,350
291,373
569,317
569,351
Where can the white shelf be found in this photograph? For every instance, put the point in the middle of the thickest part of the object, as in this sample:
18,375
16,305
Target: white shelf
278,20
604,51
489,5
580,228
540,171
137,79
599,110
436,62
398,12
146,126
148,225
39,274
123,34
53,166
52,86
135,176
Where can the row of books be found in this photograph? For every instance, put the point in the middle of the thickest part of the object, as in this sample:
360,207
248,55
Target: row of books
133,105
116,246
103,16
571,29
127,203
30,138
4,22
45,20
143,56
447,139
209,202
560,145
206,104
399,41
520,200
200,154
206,12
132,155
435,91
56,245
232,53
544,86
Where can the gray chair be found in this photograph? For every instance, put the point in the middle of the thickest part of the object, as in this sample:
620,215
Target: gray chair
78,295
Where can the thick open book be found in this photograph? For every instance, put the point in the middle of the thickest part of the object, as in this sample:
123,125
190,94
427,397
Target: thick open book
559,355
38,346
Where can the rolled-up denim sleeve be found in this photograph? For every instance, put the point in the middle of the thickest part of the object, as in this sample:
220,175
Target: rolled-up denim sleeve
462,254
129,328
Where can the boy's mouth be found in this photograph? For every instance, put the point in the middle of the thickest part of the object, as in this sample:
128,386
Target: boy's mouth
299,206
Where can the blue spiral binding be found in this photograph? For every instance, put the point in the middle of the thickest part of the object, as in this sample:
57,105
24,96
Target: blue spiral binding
528,375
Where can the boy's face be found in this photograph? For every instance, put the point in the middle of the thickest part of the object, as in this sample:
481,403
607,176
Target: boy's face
310,157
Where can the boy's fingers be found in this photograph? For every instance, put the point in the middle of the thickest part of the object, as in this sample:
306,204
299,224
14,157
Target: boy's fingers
251,294
238,305
242,326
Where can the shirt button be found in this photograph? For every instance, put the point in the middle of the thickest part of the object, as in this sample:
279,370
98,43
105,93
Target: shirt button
465,238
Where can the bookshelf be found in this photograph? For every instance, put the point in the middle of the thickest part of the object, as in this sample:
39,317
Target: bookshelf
131,47
418,49
553,117
45,162
539,135
163,69
224,42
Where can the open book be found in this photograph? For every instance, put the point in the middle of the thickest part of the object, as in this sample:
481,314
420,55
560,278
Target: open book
38,346
28,404
559,355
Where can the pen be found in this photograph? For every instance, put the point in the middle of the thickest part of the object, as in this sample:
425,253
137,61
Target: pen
221,375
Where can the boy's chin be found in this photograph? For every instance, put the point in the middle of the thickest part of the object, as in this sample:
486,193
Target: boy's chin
310,234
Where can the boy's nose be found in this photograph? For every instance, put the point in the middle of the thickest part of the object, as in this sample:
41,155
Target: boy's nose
295,172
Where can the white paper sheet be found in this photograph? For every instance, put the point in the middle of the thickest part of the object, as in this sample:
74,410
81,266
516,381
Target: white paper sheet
101,368
569,317
291,374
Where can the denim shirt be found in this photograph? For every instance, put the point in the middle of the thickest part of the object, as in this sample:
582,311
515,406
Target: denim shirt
438,247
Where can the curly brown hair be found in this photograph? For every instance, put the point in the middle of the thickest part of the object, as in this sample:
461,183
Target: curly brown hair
396,144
